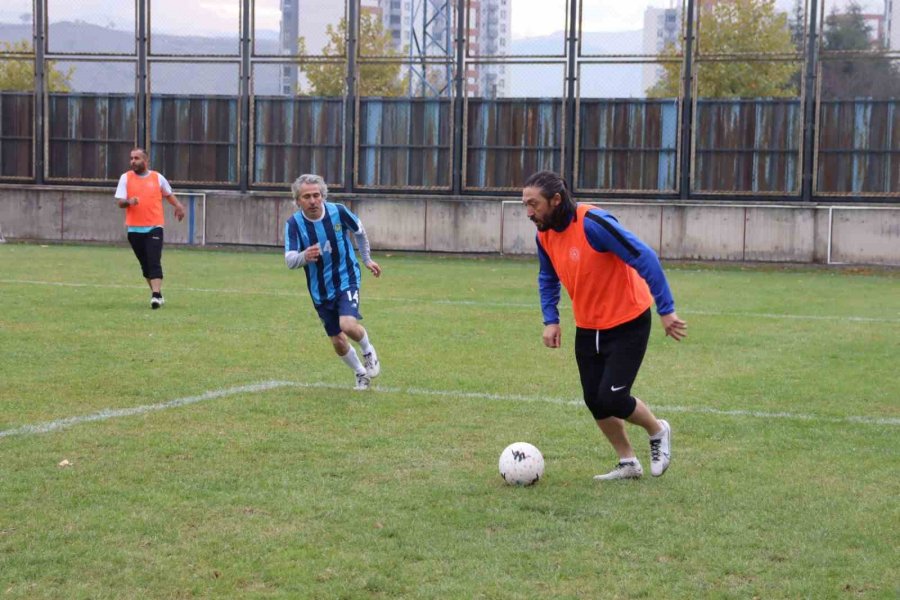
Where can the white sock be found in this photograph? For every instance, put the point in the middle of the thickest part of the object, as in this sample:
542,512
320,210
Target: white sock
352,361
658,435
630,459
364,344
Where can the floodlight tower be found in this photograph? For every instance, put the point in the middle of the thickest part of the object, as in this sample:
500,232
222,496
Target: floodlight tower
430,39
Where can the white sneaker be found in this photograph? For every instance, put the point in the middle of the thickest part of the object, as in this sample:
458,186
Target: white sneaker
156,302
626,469
371,363
660,450
363,382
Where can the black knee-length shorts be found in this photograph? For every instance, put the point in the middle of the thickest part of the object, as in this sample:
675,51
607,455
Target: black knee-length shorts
148,250
608,362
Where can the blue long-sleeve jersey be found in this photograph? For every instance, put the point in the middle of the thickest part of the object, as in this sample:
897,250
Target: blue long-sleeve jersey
337,269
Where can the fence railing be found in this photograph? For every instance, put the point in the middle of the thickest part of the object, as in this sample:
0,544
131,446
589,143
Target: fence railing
740,146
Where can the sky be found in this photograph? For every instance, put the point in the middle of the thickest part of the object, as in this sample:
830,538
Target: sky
530,18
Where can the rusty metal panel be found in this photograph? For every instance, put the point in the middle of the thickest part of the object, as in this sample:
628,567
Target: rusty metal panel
627,144
405,143
193,139
859,147
297,135
509,139
748,145
16,135
90,135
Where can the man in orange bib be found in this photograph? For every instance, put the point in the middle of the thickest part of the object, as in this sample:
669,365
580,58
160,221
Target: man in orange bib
140,193
612,278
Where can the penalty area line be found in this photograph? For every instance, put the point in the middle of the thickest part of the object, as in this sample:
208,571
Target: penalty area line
264,386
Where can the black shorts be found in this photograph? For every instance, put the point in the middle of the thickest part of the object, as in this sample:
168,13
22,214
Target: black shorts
148,249
608,362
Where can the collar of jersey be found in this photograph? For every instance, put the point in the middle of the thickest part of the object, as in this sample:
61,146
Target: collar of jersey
314,220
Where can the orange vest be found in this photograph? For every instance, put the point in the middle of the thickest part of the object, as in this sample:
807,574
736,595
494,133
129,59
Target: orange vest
605,291
149,209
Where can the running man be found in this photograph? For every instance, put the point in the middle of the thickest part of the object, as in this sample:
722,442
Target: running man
316,238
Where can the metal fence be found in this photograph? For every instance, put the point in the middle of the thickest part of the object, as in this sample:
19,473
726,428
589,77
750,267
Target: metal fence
805,146
741,146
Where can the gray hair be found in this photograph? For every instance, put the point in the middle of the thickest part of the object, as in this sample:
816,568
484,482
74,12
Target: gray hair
307,179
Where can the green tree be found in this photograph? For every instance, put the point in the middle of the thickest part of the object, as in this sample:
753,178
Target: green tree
847,31
797,24
17,75
870,76
375,79
737,27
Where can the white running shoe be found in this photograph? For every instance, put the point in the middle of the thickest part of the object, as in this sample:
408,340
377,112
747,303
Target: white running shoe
363,382
626,469
156,302
660,450
372,364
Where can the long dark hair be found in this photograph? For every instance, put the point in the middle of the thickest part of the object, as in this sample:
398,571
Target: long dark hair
550,184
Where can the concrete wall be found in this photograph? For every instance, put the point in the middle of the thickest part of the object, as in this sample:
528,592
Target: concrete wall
696,230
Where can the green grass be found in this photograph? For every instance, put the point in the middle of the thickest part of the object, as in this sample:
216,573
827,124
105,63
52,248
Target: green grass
309,490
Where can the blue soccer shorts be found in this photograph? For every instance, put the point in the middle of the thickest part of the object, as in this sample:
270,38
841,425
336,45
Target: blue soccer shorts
345,304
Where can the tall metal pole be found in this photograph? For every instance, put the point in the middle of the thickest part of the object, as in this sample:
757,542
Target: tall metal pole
687,105
569,101
141,103
809,105
459,97
244,97
350,97
38,37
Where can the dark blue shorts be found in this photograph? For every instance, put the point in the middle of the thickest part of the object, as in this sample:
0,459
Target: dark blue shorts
346,304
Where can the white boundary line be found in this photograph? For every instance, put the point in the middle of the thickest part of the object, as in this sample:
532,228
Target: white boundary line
107,414
529,305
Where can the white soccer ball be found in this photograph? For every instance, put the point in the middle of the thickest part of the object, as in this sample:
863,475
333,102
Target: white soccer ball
521,464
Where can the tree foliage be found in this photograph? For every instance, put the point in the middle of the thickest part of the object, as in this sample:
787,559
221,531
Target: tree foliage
737,27
375,79
871,76
17,75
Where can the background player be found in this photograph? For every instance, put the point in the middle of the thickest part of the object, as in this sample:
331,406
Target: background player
140,192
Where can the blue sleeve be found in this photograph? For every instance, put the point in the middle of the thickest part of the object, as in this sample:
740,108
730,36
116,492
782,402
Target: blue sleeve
292,240
348,219
605,234
548,286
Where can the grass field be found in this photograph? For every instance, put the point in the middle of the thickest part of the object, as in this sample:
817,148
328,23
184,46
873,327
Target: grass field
249,468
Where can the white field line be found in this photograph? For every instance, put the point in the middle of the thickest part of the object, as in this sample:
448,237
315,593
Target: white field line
528,305
107,414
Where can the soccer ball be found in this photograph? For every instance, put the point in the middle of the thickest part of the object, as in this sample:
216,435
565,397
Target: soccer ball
521,464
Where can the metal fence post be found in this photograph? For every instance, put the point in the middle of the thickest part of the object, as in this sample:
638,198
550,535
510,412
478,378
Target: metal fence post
569,102
141,103
687,105
40,138
809,104
459,98
350,98
244,98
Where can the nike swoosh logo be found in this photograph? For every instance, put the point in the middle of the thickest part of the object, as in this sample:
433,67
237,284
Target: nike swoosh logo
616,389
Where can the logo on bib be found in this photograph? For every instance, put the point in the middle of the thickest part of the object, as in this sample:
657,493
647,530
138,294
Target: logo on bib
574,254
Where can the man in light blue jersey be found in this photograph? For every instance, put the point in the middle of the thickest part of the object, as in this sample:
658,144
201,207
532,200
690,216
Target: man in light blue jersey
316,238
